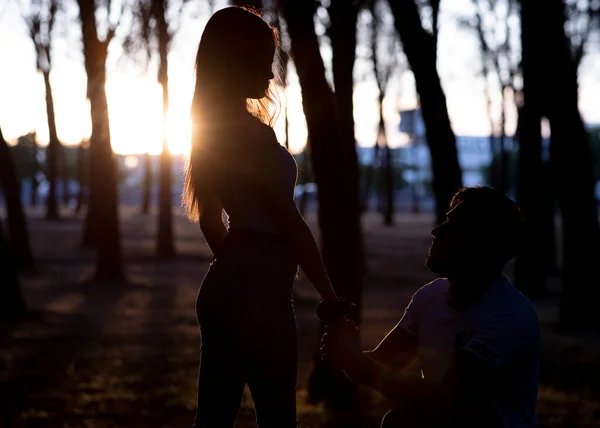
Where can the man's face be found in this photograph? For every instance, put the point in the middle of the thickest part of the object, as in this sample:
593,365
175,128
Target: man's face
454,246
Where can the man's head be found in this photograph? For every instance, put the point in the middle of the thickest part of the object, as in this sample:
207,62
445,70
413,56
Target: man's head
480,235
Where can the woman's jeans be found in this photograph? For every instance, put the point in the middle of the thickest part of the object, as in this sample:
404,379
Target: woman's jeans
248,328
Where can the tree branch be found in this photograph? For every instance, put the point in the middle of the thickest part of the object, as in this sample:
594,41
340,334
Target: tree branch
112,30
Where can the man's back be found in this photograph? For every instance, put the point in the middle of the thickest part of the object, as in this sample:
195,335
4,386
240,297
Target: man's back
501,330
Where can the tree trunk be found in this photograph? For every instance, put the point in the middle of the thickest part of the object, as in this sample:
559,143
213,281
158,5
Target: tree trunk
338,214
12,304
371,175
82,178
342,32
102,219
571,155
389,185
34,182
287,101
18,235
493,172
147,183
164,244
373,170
340,394
435,14
305,177
419,47
530,271
51,151
416,206
502,168
281,66
534,189
65,172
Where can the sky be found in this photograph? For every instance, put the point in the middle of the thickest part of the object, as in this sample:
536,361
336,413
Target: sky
134,97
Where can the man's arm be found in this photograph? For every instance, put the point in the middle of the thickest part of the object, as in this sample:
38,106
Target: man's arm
455,397
468,380
398,348
401,389
476,373
340,346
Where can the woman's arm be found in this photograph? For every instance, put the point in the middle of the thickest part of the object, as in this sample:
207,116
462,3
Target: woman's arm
262,167
286,213
211,222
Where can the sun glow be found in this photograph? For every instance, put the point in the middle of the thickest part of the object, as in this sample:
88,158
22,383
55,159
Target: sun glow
136,120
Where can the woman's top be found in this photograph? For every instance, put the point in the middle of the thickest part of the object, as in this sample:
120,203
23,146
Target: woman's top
250,156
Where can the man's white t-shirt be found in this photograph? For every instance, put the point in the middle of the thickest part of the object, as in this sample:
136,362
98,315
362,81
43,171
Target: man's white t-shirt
502,329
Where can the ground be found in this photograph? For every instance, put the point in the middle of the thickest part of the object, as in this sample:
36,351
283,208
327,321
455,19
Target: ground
126,355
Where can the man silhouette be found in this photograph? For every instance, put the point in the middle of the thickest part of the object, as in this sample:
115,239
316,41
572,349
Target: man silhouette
475,336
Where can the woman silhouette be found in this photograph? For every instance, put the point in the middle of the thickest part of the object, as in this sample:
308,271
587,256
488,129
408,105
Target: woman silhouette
244,307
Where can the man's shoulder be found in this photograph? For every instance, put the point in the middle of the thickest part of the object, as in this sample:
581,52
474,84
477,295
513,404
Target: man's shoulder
515,302
433,289
512,310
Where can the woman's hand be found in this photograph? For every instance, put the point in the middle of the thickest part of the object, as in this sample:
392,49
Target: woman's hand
340,348
333,311
331,298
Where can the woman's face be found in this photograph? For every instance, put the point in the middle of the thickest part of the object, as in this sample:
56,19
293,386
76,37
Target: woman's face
259,73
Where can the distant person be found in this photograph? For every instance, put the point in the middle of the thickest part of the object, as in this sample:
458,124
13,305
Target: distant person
476,337
245,304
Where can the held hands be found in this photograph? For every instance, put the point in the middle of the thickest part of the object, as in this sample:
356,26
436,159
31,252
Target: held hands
332,311
340,348
338,330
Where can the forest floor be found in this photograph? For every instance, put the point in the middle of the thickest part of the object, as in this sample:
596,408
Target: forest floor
126,355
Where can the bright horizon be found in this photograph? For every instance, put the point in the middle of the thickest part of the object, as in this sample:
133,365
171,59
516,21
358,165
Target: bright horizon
135,99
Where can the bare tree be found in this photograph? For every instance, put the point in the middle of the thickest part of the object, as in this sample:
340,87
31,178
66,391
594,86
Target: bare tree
18,234
500,60
385,53
153,28
570,153
102,222
432,11
164,245
531,264
40,18
343,16
27,163
282,59
435,27
502,66
583,19
551,70
338,214
420,49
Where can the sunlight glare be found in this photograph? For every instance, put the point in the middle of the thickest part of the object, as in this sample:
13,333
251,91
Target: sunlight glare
136,119
179,130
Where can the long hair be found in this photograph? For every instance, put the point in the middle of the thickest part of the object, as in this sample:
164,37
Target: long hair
226,53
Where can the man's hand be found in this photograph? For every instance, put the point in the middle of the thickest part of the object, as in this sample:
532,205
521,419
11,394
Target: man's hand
340,348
